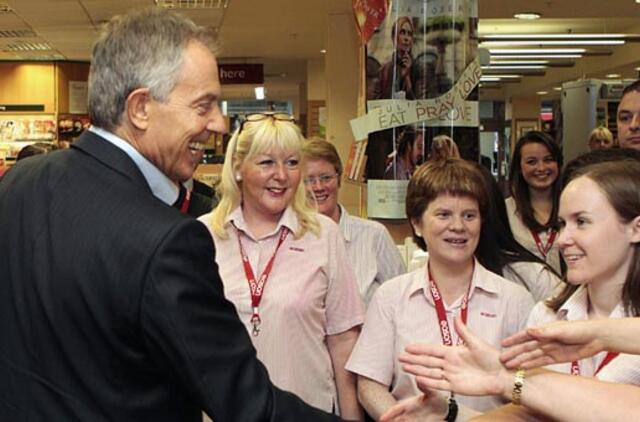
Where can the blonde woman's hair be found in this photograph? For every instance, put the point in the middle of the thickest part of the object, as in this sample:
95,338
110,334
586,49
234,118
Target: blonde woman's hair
251,139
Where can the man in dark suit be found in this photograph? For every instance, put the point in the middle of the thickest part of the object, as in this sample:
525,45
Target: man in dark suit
111,306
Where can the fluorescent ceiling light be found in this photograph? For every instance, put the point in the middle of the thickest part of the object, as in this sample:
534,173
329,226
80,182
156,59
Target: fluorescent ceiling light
551,42
537,50
613,75
323,51
550,36
528,16
505,76
497,66
259,93
489,79
542,92
536,56
500,62
557,88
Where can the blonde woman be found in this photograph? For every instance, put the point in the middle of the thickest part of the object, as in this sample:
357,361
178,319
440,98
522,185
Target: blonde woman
285,267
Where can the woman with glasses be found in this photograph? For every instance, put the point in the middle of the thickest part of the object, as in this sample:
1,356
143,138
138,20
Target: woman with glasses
535,190
285,267
372,253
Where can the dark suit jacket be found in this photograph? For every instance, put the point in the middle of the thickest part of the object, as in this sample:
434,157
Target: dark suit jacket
111,306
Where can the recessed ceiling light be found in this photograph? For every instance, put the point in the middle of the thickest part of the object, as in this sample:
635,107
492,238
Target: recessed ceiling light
557,88
542,92
323,51
637,68
528,16
259,90
613,75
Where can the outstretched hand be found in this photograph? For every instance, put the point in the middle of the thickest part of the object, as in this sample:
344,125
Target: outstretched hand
473,369
429,406
557,342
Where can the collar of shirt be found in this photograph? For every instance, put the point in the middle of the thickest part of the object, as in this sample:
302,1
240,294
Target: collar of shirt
576,307
288,220
161,186
481,279
344,224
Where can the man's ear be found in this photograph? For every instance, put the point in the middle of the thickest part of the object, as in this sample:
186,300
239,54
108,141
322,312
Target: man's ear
635,230
137,108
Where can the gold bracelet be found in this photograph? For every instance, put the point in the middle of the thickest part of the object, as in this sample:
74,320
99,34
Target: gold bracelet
518,383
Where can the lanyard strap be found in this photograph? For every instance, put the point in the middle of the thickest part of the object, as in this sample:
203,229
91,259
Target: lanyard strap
544,249
575,365
445,331
257,287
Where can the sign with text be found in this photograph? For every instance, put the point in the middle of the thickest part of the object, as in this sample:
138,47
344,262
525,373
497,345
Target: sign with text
241,73
451,108
386,198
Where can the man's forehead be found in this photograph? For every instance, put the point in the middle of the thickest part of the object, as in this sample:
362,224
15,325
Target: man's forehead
630,101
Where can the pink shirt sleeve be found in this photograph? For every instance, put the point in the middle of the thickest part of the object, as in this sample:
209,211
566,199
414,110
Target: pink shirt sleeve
344,306
374,353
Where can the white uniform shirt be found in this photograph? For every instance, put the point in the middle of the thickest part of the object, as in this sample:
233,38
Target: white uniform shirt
372,253
524,237
623,369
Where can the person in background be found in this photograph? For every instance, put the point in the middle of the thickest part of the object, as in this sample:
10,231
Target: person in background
442,147
628,117
112,305
372,253
446,205
535,188
510,259
600,241
395,75
285,267
36,148
408,155
601,138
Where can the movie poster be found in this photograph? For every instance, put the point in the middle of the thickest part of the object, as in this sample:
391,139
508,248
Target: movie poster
418,52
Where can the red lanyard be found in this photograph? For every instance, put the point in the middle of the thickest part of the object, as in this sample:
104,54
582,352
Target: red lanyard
575,365
257,287
544,249
445,331
184,207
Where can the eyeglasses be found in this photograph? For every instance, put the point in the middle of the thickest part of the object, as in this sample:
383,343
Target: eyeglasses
323,179
258,117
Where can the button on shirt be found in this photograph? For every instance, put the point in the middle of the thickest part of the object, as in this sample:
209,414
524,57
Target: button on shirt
311,293
372,253
402,312
623,369
523,236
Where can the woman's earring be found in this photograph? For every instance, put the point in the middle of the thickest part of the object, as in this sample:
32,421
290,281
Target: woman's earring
238,177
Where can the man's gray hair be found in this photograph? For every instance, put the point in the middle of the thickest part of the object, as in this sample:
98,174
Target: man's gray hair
142,49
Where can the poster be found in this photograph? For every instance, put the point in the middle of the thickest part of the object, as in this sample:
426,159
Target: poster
420,52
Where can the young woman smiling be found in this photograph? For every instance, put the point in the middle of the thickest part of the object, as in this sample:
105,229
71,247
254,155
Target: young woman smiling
535,189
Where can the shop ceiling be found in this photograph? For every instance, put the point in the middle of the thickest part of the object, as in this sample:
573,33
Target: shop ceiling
284,34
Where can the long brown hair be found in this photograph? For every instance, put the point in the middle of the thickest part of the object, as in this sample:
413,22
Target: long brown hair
619,181
520,187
